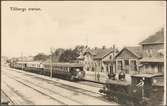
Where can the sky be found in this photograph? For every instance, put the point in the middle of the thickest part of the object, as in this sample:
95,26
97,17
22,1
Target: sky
65,24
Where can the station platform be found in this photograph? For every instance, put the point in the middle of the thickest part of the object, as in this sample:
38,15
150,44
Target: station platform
92,76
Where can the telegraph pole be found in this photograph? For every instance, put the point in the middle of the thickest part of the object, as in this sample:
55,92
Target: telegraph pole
87,40
22,60
114,60
51,62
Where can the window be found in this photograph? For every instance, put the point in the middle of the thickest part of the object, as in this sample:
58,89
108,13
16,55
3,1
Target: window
111,69
149,52
110,57
107,68
126,62
87,68
160,68
133,65
93,69
102,69
161,54
120,67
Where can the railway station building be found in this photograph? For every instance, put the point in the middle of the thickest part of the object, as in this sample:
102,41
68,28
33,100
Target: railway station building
153,53
128,60
98,59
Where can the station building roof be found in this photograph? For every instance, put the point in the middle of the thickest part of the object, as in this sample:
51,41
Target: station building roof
135,50
98,53
152,60
156,38
148,75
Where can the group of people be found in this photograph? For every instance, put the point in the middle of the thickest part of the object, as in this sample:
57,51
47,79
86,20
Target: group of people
112,76
121,76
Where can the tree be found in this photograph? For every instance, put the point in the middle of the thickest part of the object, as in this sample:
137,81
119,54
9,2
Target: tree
40,57
56,55
70,55
79,49
66,56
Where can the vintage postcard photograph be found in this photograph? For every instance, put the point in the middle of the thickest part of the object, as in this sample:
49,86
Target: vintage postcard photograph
83,53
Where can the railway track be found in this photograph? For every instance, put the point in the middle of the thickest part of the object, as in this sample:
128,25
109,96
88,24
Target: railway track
83,91
9,100
43,90
82,82
48,90
90,83
65,85
24,99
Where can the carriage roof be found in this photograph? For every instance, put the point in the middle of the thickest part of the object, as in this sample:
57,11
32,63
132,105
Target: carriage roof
21,62
66,64
34,62
29,62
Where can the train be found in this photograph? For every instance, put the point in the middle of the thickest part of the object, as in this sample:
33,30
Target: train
69,71
143,90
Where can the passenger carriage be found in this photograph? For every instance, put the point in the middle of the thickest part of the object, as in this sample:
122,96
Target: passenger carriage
35,67
70,71
19,65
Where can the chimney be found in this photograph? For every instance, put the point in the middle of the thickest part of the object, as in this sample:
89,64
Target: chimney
95,48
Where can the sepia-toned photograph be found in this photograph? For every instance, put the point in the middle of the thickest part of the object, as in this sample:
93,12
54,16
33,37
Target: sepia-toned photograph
83,53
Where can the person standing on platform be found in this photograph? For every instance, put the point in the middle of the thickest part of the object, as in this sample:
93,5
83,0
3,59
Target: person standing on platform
98,77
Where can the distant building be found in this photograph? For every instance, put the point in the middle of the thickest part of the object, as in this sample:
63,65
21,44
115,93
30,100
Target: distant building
4,59
153,53
128,59
24,58
98,59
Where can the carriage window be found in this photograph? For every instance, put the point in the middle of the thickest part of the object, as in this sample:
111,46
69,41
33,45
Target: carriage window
68,69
